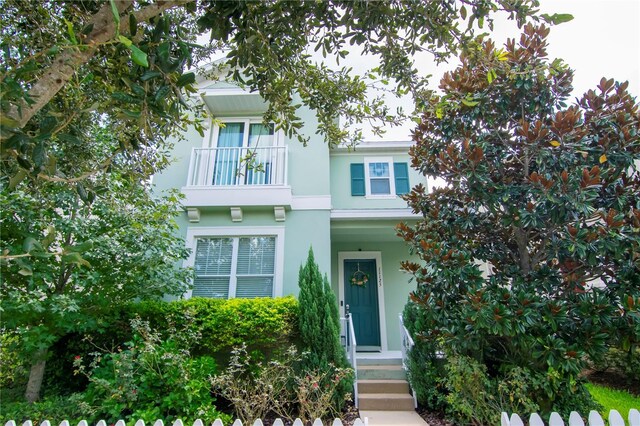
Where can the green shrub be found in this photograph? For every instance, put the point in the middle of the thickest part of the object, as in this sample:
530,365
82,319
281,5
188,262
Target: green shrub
425,373
255,388
13,373
150,378
320,328
265,324
54,409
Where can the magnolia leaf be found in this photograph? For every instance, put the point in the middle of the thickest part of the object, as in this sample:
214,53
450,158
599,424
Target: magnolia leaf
7,121
17,178
39,154
72,34
25,271
469,103
502,55
463,12
603,158
554,143
48,239
186,78
439,112
138,56
116,16
125,41
557,18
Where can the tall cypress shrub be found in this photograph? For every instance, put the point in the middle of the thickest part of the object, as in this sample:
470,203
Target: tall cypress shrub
320,323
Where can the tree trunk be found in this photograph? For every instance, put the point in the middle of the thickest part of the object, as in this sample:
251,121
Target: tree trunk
36,374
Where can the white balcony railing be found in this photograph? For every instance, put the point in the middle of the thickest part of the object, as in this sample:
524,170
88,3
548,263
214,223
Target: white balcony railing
238,166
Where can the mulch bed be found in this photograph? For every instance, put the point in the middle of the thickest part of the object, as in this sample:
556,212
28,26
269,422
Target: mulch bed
614,380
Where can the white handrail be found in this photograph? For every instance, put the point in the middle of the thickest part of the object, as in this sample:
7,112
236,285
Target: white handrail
406,344
238,166
350,345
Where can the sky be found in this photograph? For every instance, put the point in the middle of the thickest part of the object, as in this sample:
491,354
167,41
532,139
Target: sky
603,40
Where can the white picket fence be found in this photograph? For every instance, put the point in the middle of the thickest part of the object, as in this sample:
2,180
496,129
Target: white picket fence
218,422
575,419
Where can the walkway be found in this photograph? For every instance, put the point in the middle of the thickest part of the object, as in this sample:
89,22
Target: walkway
396,418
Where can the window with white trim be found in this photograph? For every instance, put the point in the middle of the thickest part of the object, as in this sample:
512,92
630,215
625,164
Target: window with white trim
227,267
379,177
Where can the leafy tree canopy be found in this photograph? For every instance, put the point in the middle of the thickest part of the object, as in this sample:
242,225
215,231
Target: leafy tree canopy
65,63
548,196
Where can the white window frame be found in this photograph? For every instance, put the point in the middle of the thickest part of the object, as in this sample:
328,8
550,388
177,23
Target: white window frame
230,232
367,178
210,139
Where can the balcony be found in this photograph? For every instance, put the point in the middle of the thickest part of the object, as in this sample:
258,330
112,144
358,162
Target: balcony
238,176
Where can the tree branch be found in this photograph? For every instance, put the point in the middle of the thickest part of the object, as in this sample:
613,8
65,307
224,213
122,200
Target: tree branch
64,65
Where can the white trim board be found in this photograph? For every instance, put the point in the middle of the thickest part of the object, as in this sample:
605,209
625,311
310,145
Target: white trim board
348,255
355,214
194,232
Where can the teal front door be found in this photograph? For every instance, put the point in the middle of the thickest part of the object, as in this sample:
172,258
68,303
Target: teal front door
361,298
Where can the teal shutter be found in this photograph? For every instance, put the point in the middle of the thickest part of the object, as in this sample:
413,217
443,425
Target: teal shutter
357,179
401,173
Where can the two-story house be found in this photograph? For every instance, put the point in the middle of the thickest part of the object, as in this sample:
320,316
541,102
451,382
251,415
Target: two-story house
250,228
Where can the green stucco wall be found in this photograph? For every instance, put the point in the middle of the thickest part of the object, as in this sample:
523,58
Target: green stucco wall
341,197
303,229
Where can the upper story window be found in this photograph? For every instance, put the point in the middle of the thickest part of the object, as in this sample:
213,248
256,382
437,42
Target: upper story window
227,267
238,133
379,177
240,152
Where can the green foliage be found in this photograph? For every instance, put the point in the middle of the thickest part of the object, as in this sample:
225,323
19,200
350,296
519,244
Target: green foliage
255,388
320,325
150,378
72,256
624,364
54,409
265,325
13,372
611,399
134,74
545,196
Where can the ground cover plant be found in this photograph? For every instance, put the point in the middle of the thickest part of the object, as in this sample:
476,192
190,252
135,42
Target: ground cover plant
545,195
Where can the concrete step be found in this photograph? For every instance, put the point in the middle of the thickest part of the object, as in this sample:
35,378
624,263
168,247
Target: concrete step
378,361
383,386
385,402
394,372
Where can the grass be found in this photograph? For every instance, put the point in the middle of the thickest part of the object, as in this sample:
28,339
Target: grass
612,399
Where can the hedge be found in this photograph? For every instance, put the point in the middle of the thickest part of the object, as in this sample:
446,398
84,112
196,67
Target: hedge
266,325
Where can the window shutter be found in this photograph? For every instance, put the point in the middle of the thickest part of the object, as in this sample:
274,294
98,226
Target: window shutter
401,173
357,179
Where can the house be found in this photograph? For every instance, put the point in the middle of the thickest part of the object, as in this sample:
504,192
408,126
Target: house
250,228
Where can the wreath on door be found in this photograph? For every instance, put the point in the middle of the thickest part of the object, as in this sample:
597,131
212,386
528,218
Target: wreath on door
359,278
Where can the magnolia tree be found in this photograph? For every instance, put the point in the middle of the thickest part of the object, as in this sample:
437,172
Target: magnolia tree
542,196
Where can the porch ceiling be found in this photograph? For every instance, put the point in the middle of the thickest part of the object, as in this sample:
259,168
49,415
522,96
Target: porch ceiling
234,102
364,231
